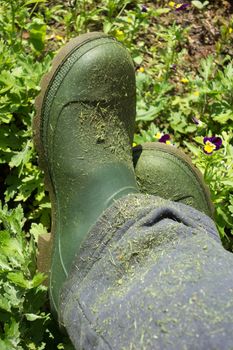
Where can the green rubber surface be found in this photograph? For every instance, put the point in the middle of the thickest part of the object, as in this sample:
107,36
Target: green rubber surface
167,172
83,133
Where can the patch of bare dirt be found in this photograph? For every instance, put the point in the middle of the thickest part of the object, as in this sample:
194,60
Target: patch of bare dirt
206,28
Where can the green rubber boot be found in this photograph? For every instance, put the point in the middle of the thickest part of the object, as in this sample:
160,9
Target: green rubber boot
167,172
83,132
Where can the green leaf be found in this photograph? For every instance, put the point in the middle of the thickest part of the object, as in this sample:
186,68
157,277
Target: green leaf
225,216
38,279
199,139
227,183
37,230
7,80
29,2
199,4
161,11
37,32
22,157
19,279
191,128
224,117
8,135
9,297
148,115
12,334
107,27
4,265
13,220
4,304
138,59
4,345
32,317
192,148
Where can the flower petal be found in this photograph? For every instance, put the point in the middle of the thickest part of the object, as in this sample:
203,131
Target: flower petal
182,7
209,147
208,153
218,142
196,120
164,138
144,8
206,138
173,67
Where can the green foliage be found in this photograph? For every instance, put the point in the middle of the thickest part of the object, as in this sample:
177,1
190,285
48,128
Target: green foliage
25,321
218,174
200,5
208,96
170,98
22,296
170,91
21,72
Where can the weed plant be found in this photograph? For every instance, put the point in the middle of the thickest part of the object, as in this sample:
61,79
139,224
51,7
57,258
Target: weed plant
187,102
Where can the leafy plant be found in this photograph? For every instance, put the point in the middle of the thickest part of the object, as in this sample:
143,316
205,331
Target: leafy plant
173,97
22,294
218,174
200,5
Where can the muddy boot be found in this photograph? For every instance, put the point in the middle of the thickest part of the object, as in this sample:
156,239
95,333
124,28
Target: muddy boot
83,132
167,172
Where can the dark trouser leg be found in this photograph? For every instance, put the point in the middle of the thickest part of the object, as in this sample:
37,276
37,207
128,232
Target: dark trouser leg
152,274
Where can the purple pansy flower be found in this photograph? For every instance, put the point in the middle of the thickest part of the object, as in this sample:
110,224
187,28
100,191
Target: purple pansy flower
173,67
164,138
182,7
211,144
196,120
216,140
144,8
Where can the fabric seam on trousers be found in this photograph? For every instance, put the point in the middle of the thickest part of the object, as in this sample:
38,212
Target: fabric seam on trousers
90,325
